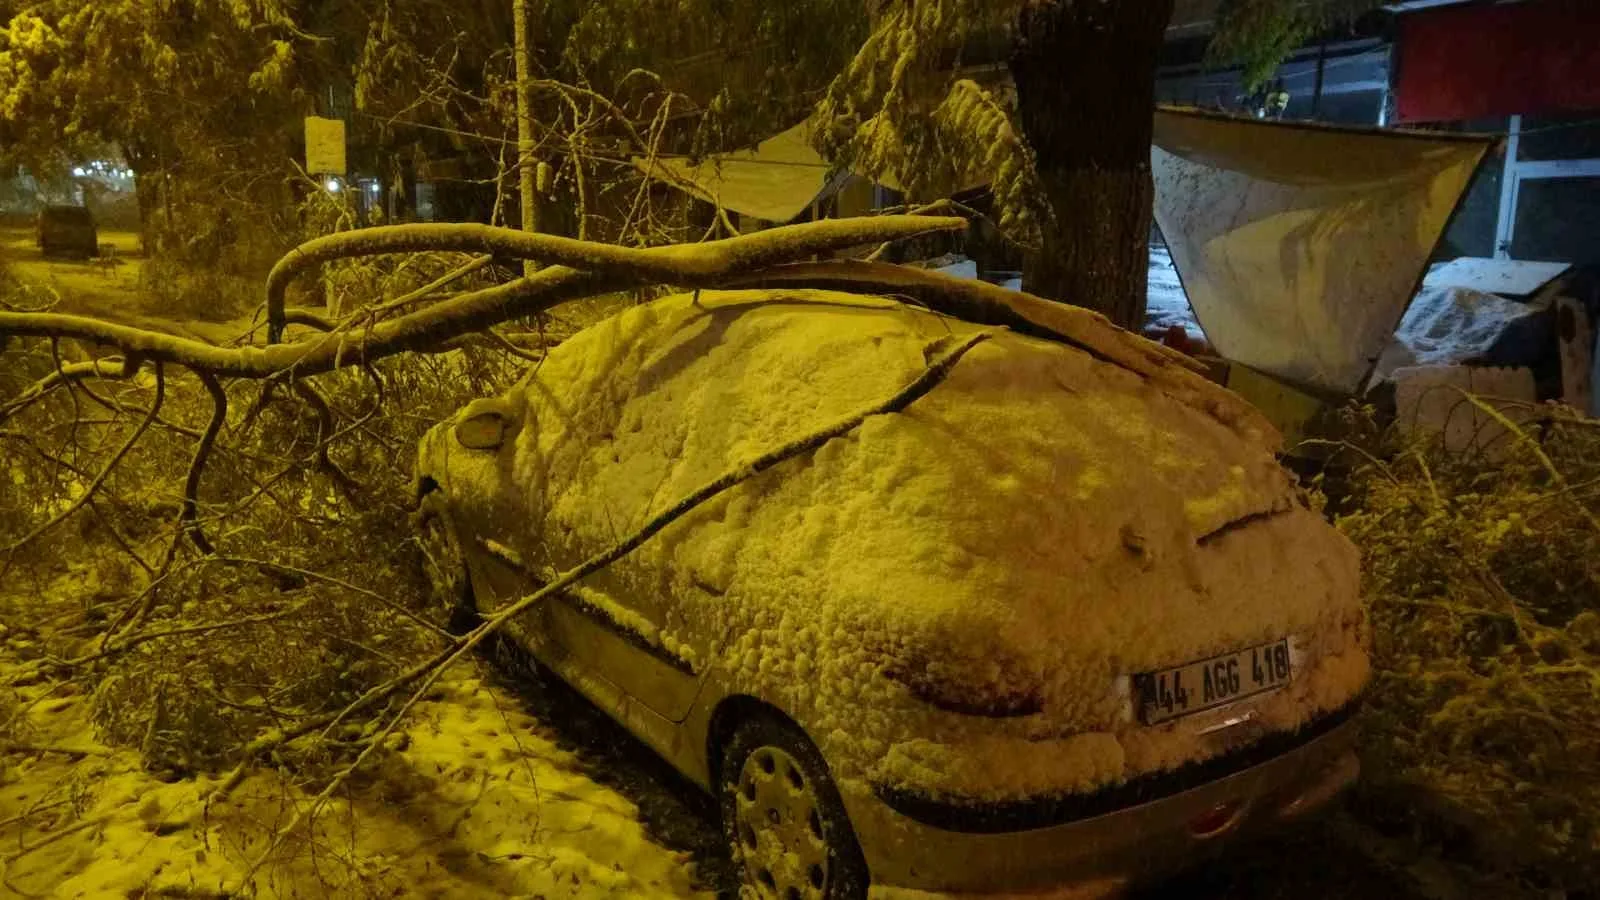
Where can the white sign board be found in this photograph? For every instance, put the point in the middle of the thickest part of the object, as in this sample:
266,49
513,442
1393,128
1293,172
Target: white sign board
324,146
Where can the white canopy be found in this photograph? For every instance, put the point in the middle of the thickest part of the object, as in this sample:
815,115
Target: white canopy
1301,245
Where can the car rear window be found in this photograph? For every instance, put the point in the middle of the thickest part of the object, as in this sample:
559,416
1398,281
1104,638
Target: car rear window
68,215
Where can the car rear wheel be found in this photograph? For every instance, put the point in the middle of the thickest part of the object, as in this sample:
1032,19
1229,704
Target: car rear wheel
782,816
450,604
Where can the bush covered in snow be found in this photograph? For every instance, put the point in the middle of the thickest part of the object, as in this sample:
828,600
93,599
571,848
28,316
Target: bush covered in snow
1484,581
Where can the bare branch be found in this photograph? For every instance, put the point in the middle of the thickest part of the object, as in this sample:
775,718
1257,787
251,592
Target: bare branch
191,485
109,367
90,489
708,263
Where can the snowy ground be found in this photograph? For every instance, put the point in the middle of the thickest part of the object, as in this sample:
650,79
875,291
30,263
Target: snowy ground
480,802
86,287
114,286
503,787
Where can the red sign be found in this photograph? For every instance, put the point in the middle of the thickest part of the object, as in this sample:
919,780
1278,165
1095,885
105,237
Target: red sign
1468,62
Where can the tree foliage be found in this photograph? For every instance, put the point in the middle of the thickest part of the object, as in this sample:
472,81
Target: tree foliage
146,75
900,110
201,98
1257,34
904,107
758,66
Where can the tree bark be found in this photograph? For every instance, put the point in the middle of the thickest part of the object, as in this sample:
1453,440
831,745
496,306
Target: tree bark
1085,77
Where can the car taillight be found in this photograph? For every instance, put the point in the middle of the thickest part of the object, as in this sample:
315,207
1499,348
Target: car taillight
985,686
1217,821
970,701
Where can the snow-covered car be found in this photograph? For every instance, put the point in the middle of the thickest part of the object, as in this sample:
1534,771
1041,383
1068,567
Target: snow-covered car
1059,621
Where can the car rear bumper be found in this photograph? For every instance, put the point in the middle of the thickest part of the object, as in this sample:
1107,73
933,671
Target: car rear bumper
1111,849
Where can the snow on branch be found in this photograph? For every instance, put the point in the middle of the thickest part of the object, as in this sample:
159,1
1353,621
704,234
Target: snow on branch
978,301
690,265
611,268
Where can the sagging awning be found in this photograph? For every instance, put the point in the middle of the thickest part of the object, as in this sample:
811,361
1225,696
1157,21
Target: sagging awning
1301,245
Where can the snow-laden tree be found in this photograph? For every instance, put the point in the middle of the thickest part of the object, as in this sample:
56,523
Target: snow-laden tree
196,95
1063,134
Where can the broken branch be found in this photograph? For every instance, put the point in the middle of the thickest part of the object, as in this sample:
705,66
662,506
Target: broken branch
90,489
690,265
189,517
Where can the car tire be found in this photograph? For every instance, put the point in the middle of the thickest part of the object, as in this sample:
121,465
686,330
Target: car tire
782,817
450,602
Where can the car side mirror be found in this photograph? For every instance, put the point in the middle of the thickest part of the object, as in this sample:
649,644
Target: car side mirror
484,431
484,425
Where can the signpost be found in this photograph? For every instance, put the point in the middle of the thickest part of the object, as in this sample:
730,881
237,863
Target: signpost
325,159
325,146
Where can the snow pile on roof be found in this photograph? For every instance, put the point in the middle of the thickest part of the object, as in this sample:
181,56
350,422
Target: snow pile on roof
478,803
1445,326
1027,529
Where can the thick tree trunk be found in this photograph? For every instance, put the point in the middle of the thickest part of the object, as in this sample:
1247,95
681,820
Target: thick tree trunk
1085,77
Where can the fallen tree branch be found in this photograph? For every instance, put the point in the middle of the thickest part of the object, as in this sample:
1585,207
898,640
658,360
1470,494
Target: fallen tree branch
75,752
149,636
978,301
338,582
188,518
52,837
707,264
1527,440
108,367
90,489
443,281
31,812
309,319
325,432
689,264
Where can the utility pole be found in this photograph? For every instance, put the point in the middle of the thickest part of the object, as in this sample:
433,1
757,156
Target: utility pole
527,173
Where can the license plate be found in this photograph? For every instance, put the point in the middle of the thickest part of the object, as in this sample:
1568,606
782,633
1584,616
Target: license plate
1197,686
